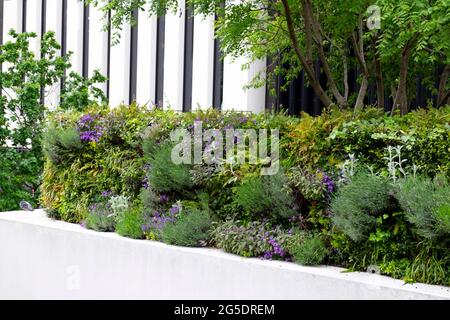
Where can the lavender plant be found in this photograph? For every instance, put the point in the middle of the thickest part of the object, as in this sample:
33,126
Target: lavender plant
157,220
100,217
191,228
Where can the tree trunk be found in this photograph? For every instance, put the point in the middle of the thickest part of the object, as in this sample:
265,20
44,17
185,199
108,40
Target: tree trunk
315,84
380,83
312,25
362,93
443,93
401,98
357,39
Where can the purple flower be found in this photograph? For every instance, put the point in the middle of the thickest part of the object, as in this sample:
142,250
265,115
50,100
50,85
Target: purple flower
243,119
163,198
157,221
85,119
146,227
267,255
145,183
328,183
107,193
175,209
275,248
89,132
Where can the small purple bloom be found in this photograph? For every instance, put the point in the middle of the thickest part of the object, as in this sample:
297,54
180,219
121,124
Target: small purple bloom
174,210
243,119
145,183
328,183
89,131
163,198
107,193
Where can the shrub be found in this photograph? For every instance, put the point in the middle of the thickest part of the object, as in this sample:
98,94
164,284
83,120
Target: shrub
423,135
252,239
430,266
190,229
61,144
149,198
113,163
426,203
130,222
265,196
310,251
100,217
166,176
312,186
356,205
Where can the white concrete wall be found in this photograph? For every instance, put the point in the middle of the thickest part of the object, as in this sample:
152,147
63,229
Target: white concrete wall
44,259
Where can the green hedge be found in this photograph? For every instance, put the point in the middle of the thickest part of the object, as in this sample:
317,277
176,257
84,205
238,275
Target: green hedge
310,212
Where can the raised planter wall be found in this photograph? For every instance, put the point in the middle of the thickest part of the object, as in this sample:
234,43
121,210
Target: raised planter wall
45,259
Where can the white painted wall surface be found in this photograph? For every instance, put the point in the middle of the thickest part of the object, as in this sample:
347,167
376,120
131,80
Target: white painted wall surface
75,34
174,59
98,44
12,18
235,97
146,60
44,259
53,20
120,69
33,24
203,62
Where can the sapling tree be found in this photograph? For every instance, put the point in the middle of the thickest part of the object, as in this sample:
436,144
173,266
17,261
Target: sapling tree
414,40
24,74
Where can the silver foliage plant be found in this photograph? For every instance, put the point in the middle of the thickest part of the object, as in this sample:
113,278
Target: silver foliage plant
119,205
